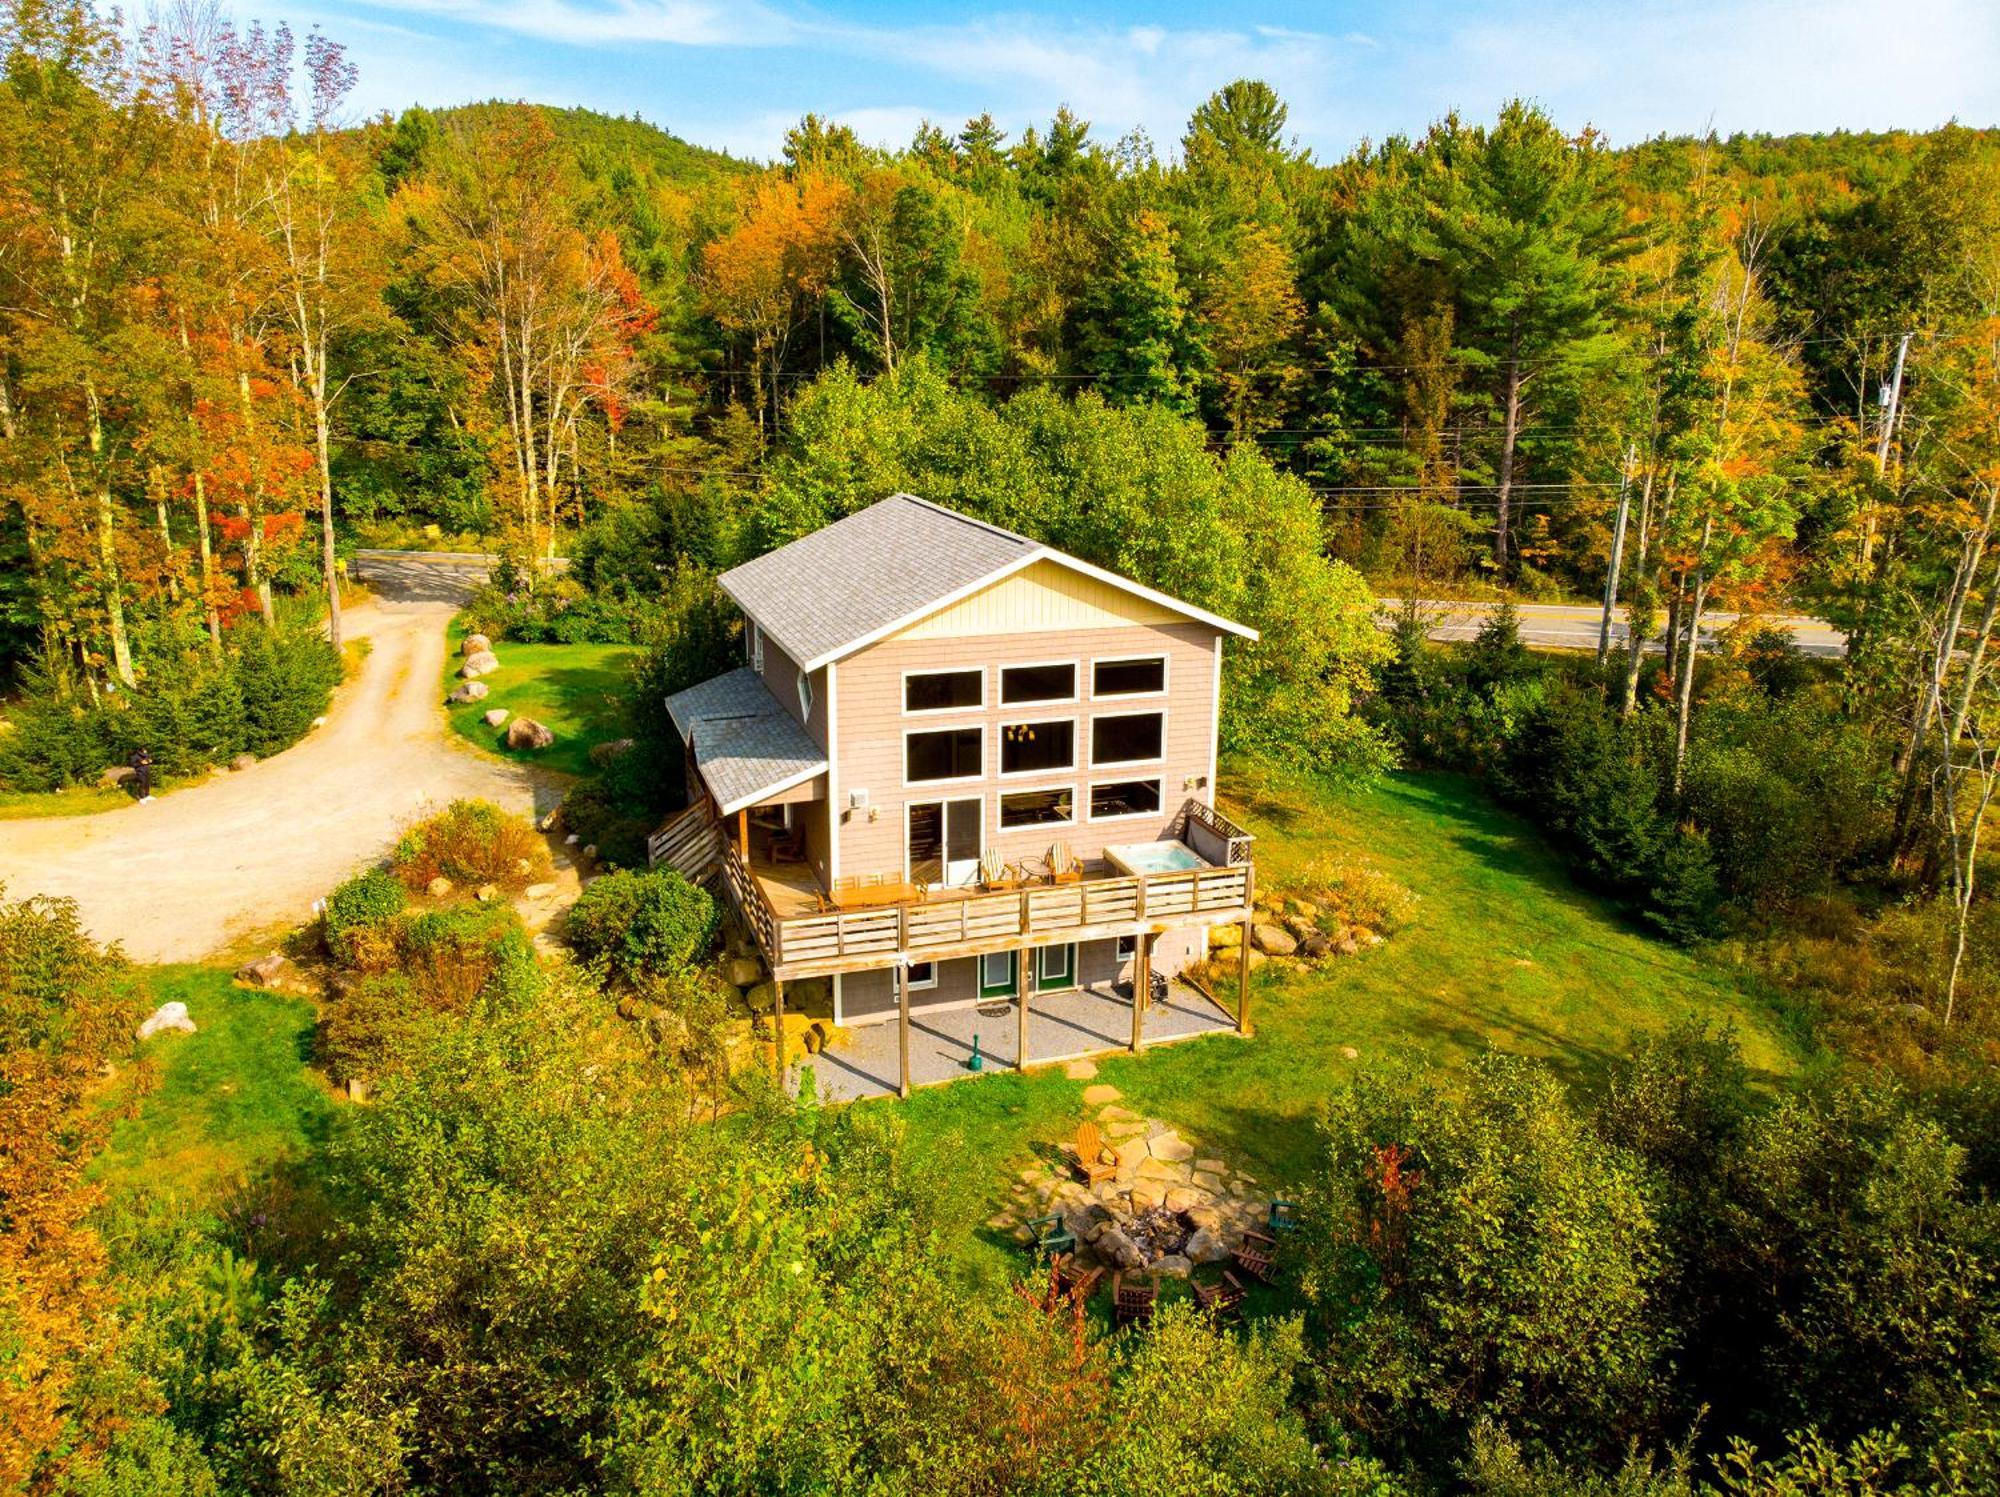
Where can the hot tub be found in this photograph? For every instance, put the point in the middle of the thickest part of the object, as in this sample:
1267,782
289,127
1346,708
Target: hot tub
1154,857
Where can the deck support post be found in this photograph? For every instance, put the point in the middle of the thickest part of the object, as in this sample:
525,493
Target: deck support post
1025,976
743,834
903,1030
778,1024
1142,987
1243,981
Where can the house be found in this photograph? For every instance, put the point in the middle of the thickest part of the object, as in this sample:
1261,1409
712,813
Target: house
960,767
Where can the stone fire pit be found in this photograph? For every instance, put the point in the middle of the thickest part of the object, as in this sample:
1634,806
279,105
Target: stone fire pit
1168,1208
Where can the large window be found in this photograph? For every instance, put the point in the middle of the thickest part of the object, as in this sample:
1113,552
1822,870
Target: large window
1145,676
1037,748
944,691
1117,798
949,754
1024,808
1128,738
1037,683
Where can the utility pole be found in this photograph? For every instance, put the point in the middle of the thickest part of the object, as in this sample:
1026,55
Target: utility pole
1617,554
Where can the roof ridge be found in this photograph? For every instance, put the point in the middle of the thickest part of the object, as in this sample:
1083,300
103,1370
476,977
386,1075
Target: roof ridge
964,518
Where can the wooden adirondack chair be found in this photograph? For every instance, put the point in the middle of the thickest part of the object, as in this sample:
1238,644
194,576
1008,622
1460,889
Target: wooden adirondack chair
995,876
1063,866
1094,1162
1052,1236
1132,1303
1070,1279
1224,1299
1254,1255
1284,1217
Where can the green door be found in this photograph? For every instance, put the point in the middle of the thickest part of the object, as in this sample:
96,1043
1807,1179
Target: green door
1055,968
996,975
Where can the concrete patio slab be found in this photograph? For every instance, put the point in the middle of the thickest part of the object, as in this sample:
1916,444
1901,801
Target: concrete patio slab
1061,1027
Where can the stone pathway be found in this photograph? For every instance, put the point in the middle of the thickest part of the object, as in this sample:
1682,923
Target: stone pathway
1171,1205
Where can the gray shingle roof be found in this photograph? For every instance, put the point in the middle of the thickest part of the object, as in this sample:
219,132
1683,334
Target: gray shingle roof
746,745
855,577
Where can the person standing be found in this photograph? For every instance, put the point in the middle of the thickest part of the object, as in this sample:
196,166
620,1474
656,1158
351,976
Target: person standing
142,773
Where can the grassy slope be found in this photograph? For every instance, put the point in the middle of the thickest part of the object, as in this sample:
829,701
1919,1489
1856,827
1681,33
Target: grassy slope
579,691
232,1097
1502,952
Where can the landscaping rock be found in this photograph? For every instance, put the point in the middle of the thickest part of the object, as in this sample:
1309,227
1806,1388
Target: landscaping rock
1102,1093
762,998
1363,936
1119,1115
487,893
167,1016
117,774
1131,1153
1209,1180
1348,1052
526,733
551,821
1160,1170
1173,1266
483,663
1315,946
475,644
1145,1196
1203,1219
1255,958
1185,1198
1120,1251
1206,1246
265,971
1212,1166
744,971
1346,946
1273,940
438,887
470,691
242,761
1080,1070
497,717
602,754
1172,1148
1223,937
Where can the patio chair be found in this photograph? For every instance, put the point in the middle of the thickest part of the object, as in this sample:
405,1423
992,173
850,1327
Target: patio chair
1224,1300
995,875
1051,1236
789,846
1093,1162
1133,1303
1254,1256
1284,1217
1063,866
1073,1280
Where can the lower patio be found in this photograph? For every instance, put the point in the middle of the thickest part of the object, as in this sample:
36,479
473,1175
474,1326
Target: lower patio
862,1061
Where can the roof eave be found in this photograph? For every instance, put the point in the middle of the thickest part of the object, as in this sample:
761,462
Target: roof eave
744,803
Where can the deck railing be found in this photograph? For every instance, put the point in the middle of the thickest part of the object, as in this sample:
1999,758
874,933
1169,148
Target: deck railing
959,925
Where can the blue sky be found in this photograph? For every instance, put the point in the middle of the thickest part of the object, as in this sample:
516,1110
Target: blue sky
734,73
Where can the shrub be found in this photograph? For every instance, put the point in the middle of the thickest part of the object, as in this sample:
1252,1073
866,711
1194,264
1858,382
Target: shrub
286,677
360,908
642,923
450,956
375,1020
594,810
472,842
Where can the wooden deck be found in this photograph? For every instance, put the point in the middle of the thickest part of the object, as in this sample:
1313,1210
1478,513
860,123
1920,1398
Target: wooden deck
802,937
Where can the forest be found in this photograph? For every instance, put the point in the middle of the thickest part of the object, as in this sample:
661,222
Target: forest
245,332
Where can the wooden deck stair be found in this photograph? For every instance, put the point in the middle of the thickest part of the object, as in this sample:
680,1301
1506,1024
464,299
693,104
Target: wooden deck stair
689,842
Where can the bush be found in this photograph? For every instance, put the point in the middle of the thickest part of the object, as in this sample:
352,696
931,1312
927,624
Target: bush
286,677
375,1020
472,842
450,956
360,908
642,923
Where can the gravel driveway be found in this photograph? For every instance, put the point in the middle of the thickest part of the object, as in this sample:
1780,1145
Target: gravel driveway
195,871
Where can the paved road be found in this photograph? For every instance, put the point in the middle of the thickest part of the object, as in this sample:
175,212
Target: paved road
1567,626
192,872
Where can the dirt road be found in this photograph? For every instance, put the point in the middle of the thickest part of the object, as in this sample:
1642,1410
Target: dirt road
190,873
1566,626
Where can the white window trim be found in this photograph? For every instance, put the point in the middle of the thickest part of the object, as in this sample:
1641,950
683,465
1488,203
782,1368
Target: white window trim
1000,826
1042,978
1125,948
980,985
1153,815
805,697
1041,771
1001,703
1166,678
903,690
920,984
944,829
903,766
1159,758
756,648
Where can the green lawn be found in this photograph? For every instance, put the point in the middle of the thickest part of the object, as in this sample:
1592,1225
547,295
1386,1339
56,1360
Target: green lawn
579,691
77,800
231,1098
1503,951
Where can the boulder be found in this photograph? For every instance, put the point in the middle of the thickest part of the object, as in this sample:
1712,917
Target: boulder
242,761
1346,946
1185,1198
1206,1246
602,754
484,663
1202,1219
497,718
762,998
744,971
487,893
553,820
1120,1251
1315,946
469,691
1348,1052
117,774
263,972
1173,1266
438,887
1145,1196
526,733
1273,940
475,644
1223,937
167,1016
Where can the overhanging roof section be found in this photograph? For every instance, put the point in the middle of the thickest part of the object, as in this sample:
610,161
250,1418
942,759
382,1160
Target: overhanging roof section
746,745
883,568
